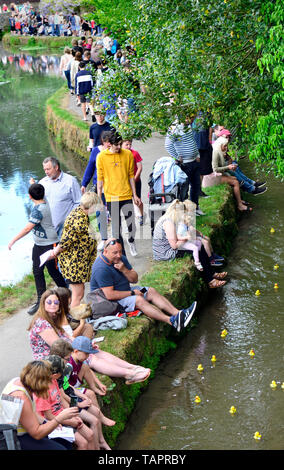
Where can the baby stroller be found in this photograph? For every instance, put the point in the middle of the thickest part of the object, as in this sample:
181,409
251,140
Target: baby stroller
166,183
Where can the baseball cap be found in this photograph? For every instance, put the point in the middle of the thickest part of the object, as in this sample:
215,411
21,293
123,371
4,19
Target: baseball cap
82,343
225,132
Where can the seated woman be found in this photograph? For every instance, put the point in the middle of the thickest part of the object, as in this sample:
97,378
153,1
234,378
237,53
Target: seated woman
219,165
32,430
166,245
48,325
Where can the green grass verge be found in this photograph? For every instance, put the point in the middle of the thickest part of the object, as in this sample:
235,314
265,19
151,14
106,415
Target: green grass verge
47,42
20,295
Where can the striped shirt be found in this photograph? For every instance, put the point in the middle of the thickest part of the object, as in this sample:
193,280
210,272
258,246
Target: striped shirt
180,143
162,250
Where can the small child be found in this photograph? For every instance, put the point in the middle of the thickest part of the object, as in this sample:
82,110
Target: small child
186,232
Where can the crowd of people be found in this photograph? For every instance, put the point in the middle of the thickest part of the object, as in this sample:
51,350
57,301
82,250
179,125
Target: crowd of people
28,20
77,231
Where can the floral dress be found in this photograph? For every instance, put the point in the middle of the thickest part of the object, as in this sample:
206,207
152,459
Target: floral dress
79,249
40,349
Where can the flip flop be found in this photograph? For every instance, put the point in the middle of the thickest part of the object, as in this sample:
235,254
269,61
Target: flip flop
135,377
220,276
215,283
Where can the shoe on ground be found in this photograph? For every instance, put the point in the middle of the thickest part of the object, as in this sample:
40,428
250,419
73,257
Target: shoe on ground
199,212
188,313
132,248
259,184
258,191
202,194
141,220
33,309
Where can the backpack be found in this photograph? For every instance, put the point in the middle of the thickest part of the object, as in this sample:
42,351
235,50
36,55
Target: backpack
8,437
101,306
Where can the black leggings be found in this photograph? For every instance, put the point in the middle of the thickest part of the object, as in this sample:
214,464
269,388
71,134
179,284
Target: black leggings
126,207
204,260
39,271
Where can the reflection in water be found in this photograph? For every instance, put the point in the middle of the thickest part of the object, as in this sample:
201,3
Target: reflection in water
24,142
43,64
167,416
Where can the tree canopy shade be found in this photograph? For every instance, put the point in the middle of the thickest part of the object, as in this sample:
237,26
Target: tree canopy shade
223,56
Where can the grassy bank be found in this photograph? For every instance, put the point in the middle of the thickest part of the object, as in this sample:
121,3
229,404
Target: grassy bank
20,295
35,42
69,130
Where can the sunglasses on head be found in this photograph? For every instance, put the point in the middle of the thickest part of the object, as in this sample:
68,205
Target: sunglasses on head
55,302
113,242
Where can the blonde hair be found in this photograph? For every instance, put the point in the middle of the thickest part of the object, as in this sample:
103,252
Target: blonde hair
67,50
218,144
36,378
180,211
90,199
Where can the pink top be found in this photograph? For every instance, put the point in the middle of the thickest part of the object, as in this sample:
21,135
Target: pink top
52,403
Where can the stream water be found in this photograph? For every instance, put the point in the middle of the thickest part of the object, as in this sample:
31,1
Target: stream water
166,416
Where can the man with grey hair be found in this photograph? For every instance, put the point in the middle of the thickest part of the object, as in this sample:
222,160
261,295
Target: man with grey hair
62,192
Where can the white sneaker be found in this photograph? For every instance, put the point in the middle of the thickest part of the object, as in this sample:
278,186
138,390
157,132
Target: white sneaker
132,248
199,212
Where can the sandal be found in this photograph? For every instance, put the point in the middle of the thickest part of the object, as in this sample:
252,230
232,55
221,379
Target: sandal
247,209
215,283
220,276
136,377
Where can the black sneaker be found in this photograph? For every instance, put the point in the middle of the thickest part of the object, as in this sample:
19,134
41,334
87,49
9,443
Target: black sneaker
259,184
202,194
258,191
33,309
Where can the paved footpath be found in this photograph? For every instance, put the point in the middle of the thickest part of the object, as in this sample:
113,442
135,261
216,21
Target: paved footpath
15,351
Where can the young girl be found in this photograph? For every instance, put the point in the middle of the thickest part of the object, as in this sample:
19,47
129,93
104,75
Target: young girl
186,232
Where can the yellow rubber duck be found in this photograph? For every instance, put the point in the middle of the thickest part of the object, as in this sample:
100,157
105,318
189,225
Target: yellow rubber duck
232,410
252,353
213,358
257,436
276,266
200,367
272,230
197,399
276,285
282,385
224,333
257,292
273,384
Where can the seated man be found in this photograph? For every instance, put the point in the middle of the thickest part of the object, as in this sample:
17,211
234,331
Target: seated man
113,274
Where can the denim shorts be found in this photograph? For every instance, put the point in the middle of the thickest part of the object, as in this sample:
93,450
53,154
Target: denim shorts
128,303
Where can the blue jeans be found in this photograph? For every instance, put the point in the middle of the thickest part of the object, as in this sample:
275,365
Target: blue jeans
248,184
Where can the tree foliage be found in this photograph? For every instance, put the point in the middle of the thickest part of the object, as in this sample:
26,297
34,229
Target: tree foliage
222,56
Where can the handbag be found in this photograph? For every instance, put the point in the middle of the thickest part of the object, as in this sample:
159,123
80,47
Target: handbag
212,179
101,306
